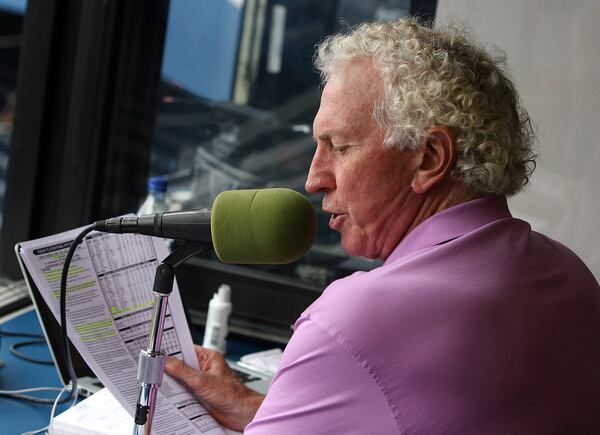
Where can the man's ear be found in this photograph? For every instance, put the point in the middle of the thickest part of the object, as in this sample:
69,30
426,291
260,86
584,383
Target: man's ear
438,156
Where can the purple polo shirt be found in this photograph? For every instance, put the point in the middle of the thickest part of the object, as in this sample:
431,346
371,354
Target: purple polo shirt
474,325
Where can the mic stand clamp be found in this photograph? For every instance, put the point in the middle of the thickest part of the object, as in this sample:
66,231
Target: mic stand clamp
152,359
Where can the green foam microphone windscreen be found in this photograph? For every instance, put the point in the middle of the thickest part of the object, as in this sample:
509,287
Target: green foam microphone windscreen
262,226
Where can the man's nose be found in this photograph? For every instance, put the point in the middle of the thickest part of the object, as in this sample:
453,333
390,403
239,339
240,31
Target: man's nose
320,176
312,182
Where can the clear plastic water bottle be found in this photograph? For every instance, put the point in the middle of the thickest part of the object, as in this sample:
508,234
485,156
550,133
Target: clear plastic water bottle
156,201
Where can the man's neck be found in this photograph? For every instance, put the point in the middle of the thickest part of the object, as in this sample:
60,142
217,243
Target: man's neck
438,199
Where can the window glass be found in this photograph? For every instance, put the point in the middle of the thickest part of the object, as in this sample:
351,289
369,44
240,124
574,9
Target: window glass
237,99
11,23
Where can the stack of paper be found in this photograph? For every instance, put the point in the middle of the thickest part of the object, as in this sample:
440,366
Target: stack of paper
100,414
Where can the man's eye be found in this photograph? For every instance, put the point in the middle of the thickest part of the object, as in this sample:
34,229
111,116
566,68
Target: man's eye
340,149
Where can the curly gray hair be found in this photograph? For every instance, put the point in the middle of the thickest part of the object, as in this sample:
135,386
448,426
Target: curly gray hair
442,77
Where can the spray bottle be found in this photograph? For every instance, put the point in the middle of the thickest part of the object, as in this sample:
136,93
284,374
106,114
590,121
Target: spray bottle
219,309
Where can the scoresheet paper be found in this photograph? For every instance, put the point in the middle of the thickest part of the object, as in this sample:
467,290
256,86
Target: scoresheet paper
109,308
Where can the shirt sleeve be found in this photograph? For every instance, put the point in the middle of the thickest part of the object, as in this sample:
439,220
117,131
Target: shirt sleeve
321,388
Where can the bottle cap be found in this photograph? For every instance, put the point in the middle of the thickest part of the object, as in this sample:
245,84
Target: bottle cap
224,294
157,184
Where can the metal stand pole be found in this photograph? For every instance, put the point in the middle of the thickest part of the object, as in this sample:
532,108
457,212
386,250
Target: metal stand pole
152,359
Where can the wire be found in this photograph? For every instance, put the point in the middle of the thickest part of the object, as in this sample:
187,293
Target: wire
53,411
56,404
30,390
63,330
13,348
17,394
12,394
63,306
20,334
15,352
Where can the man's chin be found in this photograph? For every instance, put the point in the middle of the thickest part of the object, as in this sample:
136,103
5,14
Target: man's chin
354,248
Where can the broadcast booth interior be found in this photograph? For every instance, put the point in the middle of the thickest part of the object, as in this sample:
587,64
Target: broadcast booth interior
110,98
96,97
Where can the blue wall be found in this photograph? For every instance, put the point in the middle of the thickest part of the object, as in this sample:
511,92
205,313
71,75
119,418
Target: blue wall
15,6
201,46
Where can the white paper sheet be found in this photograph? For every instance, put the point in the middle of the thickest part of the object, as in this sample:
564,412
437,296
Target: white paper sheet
266,361
100,414
109,306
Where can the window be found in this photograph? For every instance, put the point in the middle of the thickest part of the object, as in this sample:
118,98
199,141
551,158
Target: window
237,97
11,23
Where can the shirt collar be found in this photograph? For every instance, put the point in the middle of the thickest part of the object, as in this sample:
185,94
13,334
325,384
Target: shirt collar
451,223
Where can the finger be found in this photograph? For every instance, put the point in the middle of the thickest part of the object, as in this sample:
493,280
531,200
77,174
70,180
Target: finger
204,353
210,360
201,352
189,376
204,357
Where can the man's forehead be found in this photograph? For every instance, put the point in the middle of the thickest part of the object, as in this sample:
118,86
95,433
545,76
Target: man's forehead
343,124
358,75
353,79
356,79
347,102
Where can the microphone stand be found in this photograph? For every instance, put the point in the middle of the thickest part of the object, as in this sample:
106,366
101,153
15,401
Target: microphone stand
152,359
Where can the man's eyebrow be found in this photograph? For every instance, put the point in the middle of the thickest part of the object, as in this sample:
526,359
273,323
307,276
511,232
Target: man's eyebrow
330,136
323,136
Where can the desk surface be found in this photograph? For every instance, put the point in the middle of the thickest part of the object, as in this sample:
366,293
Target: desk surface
17,416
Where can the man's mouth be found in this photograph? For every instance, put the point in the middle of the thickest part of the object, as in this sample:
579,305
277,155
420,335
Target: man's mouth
335,221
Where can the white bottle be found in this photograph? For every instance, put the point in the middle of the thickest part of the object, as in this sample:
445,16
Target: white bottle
156,200
219,309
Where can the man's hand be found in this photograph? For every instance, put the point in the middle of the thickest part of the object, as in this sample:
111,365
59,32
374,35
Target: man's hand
229,401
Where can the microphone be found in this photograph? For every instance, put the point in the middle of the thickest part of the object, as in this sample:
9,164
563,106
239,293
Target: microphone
255,226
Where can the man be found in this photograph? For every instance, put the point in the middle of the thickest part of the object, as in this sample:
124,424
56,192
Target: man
474,324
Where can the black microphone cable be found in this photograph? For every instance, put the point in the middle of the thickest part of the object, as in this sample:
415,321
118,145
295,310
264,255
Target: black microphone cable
63,308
